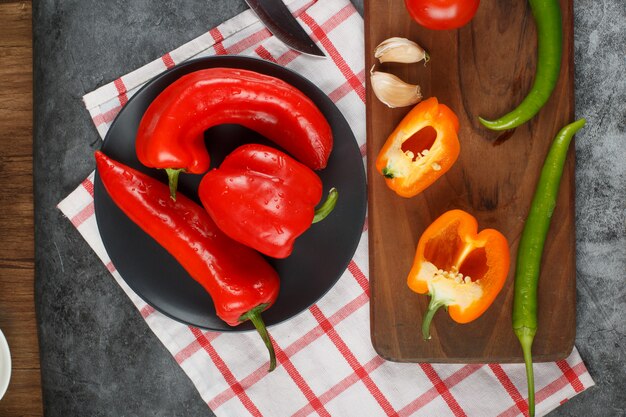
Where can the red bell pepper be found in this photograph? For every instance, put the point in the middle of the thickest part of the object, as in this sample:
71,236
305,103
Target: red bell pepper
263,198
241,283
171,132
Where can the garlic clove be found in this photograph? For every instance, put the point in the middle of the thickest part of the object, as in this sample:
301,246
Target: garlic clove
400,50
392,91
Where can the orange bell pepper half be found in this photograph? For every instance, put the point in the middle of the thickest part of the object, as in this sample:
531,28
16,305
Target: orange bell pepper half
422,148
460,268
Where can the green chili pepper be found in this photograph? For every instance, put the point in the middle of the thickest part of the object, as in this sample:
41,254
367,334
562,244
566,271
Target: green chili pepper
531,247
547,15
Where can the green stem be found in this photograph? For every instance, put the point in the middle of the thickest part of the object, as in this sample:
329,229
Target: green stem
172,177
433,306
526,336
327,206
254,316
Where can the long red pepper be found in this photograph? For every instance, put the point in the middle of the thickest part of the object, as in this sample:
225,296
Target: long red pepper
241,283
171,132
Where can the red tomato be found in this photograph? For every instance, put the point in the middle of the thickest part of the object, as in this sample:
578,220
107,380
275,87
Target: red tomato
442,14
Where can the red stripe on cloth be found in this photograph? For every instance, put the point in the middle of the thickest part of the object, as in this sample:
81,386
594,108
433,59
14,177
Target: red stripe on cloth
359,276
147,311
193,347
98,119
291,54
110,267
510,388
433,393
218,38
219,49
88,186
283,60
226,373
345,351
216,35
167,60
80,217
121,90
547,391
265,54
228,393
570,375
442,389
287,57
251,40
363,150
106,117
321,35
341,386
345,88
301,343
338,18
297,378
304,8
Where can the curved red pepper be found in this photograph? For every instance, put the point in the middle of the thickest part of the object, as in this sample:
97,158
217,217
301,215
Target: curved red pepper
171,132
262,197
240,281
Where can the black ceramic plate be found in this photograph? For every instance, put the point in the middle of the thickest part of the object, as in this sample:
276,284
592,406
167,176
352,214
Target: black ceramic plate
320,255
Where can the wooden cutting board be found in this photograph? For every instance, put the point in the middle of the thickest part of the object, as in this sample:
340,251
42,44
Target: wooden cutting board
484,69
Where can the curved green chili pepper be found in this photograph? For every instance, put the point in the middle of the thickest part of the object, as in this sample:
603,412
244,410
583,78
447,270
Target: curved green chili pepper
531,247
547,15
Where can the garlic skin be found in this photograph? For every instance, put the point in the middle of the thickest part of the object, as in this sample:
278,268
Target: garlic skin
400,50
392,91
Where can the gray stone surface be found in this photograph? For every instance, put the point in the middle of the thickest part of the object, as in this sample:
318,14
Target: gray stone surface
100,359
600,54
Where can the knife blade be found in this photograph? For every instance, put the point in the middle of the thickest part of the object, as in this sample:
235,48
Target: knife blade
279,20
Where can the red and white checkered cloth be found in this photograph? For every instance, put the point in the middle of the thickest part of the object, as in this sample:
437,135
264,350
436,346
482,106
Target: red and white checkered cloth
326,363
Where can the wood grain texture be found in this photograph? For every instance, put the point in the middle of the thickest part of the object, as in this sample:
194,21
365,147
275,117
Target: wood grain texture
17,308
484,69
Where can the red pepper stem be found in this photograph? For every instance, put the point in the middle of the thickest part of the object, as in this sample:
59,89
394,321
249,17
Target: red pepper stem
434,305
172,177
526,336
327,206
254,316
